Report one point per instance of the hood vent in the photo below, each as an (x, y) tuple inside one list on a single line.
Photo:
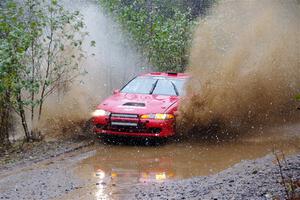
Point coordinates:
[(135, 104)]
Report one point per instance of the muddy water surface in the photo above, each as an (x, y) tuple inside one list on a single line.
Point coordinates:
[(114, 169)]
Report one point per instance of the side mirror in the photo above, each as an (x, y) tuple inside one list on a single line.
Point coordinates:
[(116, 91)]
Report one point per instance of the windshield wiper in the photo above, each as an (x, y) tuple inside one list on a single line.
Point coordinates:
[(154, 86), (175, 88)]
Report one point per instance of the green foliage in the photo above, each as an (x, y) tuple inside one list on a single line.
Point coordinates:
[(161, 29), (297, 97), (13, 44), (34, 38)]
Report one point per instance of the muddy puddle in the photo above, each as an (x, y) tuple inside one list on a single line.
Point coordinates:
[(113, 170)]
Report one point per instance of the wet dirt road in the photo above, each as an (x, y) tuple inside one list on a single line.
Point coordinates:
[(110, 171), (115, 169)]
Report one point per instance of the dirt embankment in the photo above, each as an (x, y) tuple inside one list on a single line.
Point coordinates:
[(25, 154), (252, 179)]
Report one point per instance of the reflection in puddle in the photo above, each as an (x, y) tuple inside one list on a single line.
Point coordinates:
[(114, 170), (114, 177), (100, 191), (152, 170)]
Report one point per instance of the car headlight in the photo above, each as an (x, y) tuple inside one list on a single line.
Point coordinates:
[(100, 112), (158, 116)]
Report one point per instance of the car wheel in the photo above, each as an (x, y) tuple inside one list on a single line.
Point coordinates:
[(159, 141)]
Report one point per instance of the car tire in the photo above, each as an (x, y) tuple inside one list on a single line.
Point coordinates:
[(107, 139)]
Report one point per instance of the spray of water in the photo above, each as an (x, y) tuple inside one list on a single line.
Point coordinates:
[(245, 66), (109, 65)]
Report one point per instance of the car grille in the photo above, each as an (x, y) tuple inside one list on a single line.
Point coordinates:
[(120, 115), (130, 123)]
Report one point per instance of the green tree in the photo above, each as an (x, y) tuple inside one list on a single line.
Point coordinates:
[(162, 30), (41, 47)]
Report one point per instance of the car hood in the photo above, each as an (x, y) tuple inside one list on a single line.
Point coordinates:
[(137, 103)]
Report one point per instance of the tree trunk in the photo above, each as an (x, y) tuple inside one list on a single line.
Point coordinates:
[(5, 119), (32, 82), (49, 60), (23, 117)]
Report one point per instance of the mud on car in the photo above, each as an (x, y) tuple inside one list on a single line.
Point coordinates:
[(144, 107)]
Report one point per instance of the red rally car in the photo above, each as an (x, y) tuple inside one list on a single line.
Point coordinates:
[(144, 107)]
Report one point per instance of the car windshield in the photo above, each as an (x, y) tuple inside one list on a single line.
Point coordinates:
[(155, 85)]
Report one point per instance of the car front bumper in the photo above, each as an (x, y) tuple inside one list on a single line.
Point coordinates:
[(134, 127)]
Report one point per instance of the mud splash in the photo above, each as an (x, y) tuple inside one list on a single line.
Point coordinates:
[(245, 66), (110, 64)]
